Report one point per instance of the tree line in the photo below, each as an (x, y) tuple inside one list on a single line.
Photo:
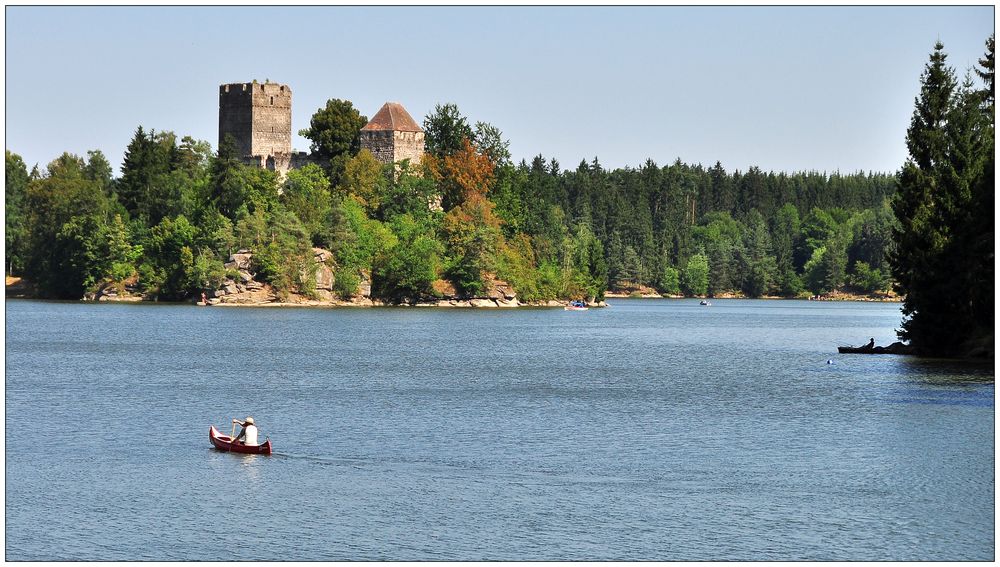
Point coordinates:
[(467, 215)]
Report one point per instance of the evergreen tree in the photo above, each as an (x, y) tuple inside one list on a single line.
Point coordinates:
[(16, 185), (937, 261), (445, 130)]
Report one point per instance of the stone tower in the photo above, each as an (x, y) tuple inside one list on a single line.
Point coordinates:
[(392, 135), (259, 117)]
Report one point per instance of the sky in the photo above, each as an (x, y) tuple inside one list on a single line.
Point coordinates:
[(783, 88)]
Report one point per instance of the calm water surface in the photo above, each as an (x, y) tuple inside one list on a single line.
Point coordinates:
[(651, 430)]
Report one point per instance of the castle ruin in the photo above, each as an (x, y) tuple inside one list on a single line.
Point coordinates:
[(393, 136), (259, 118)]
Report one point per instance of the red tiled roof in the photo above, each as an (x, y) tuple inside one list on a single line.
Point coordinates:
[(392, 116)]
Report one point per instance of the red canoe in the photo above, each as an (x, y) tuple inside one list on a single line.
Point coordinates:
[(225, 443)]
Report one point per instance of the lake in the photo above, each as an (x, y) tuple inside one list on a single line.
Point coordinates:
[(650, 430)]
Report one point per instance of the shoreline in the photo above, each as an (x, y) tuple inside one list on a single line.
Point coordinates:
[(442, 304), (837, 297)]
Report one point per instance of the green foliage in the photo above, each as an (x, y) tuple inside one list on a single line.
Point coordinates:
[(364, 180), (813, 273), (695, 275), (759, 267), (444, 130), (868, 279), (589, 269), (361, 240), (408, 269), (489, 140), (406, 193), (98, 169), (118, 255), (280, 245), (516, 265), (670, 281), (169, 255), (942, 260), (15, 218), (207, 272), (226, 194), (64, 213), (334, 132), (307, 195), (345, 283)]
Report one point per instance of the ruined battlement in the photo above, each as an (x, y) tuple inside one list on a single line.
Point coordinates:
[(259, 117)]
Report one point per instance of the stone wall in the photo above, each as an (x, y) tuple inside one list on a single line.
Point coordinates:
[(379, 143), (236, 115), (272, 119), (259, 117), (392, 147), (408, 145)]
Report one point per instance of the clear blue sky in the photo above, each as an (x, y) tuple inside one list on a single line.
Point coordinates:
[(783, 88)]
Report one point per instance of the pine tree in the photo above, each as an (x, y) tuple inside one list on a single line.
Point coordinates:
[(938, 260)]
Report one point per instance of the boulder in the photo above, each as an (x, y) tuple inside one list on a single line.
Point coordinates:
[(321, 256), (240, 260), (324, 278), (365, 285), (482, 303)]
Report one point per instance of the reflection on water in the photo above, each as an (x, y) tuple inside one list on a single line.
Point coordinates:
[(653, 430)]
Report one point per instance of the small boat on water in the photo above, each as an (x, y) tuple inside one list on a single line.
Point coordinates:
[(894, 348), (705, 302), (225, 443), (576, 306)]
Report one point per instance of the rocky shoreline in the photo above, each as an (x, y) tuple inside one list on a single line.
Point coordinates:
[(650, 293), (244, 290)]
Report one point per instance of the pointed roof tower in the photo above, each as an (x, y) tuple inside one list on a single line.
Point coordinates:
[(392, 116)]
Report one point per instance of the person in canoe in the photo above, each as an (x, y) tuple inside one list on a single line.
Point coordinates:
[(248, 435)]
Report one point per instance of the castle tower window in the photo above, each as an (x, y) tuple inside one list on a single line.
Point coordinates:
[(272, 101)]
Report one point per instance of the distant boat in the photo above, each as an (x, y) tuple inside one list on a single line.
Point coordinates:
[(576, 306), (894, 348), (225, 443), (705, 302)]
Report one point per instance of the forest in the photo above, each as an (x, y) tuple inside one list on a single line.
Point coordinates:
[(466, 215)]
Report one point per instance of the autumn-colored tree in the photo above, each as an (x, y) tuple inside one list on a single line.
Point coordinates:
[(470, 227), (461, 175)]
